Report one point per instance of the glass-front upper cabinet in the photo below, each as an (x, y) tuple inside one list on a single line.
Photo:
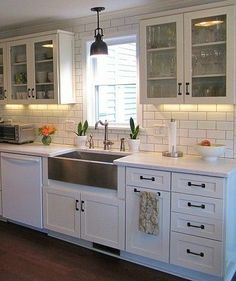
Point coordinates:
[(161, 59), (209, 68), (44, 69), (40, 69), (3, 76), (18, 71), (188, 58)]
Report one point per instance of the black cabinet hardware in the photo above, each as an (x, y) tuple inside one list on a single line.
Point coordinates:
[(196, 226), (195, 254), (76, 205), (186, 91), (179, 89), (148, 179), (136, 190), (82, 206), (200, 185), (202, 206)]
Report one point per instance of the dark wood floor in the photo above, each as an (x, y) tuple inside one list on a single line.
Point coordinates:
[(27, 255)]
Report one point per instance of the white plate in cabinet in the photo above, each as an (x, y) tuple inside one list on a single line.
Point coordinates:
[(197, 253), (148, 178), (198, 185), (198, 226), (140, 243), (197, 205)]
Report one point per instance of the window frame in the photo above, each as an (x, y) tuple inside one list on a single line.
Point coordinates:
[(88, 91)]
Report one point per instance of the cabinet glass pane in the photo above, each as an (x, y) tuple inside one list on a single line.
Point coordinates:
[(18, 72), (44, 72), (161, 36), (161, 88), (209, 87), (209, 56), (209, 30), (1, 75), (161, 60)]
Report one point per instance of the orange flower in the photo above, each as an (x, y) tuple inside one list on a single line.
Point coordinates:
[(47, 130)]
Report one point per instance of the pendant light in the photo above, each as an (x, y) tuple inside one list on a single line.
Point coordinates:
[(99, 47)]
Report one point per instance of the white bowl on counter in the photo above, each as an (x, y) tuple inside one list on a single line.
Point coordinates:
[(210, 153)]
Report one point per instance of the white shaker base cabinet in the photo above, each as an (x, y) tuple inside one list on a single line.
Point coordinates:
[(96, 216), (140, 243), (22, 188)]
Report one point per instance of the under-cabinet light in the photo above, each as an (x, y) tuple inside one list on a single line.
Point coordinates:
[(48, 46), (209, 23)]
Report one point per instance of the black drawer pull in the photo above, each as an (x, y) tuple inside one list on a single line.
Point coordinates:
[(186, 91), (196, 226), (195, 254), (82, 206), (76, 205), (202, 206), (136, 190), (179, 89), (200, 185), (148, 179)]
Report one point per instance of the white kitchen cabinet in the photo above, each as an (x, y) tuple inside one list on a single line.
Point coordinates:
[(3, 73), (197, 212), (22, 188), (186, 59), (93, 216), (40, 68), (62, 211), (138, 242)]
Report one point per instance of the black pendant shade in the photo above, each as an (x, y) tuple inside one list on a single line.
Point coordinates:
[(99, 47)]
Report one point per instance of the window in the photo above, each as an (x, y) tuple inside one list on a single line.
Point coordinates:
[(112, 82)]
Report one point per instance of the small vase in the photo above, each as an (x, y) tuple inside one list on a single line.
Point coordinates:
[(81, 141), (46, 140), (134, 145)]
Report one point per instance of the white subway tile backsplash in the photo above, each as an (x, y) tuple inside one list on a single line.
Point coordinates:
[(206, 125), (188, 124), (197, 116), (207, 107), (219, 116), (216, 134)]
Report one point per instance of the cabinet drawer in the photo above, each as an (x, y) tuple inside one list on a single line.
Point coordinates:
[(197, 205), (197, 253), (195, 225), (198, 185), (148, 178)]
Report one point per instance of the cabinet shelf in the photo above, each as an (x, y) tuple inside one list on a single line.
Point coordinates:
[(162, 78), (209, 44), (44, 61), (161, 49), (209, 75), (19, 85), (19, 63), (45, 83)]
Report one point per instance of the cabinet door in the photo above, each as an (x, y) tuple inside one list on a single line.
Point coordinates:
[(45, 68), (103, 219), (209, 51), (137, 242), (161, 65), (62, 211), (18, 65), (3, 74)]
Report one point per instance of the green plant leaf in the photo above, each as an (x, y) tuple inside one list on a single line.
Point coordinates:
[(131, 122)]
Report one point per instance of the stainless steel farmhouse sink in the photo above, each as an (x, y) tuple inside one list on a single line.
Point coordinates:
[(85, 167)]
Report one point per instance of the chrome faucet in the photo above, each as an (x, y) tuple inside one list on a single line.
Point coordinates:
[(107, 143)]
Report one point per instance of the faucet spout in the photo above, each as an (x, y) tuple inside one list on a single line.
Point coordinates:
[(106, 142)]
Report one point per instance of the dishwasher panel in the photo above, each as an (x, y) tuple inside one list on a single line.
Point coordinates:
[(22, 188)]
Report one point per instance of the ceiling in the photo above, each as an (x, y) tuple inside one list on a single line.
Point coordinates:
[(15, 13)]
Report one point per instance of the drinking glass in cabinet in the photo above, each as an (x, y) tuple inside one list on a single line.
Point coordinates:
[(161, 88), (210, 29), (161, 36)]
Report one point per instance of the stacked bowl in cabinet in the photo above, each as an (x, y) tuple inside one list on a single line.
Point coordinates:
[(197, 222)]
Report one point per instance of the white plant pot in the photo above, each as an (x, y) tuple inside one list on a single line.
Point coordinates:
[(81, 141), (134, 145)]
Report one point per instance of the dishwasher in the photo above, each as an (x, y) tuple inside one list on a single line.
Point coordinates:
[(22, 188)]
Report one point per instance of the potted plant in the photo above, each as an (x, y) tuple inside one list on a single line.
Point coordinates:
[(133, 142), (46, 131), (81, 138)]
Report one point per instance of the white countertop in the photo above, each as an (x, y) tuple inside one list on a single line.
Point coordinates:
[(222, 167), (36, 149)]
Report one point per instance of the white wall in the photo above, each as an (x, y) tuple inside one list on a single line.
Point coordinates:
[(195, 122)]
